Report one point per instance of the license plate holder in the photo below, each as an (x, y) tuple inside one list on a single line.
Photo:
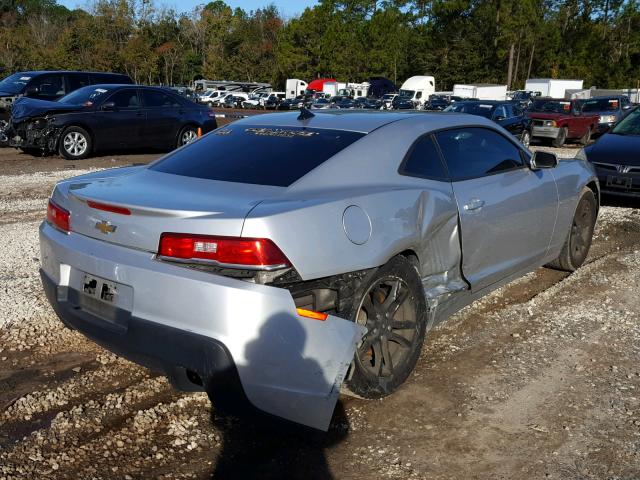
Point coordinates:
[(619, 182), (99, 289)]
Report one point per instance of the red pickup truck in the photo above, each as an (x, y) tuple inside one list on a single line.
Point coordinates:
[(561, 120)]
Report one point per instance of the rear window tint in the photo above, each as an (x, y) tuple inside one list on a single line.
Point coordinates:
[(262, 155)]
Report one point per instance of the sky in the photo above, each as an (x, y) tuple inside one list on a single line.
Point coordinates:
[(288, 8)]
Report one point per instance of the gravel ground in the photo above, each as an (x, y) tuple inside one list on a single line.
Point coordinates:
[(538, 380)]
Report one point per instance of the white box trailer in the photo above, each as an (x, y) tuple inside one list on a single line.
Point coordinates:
[(481, 91), (295, 87), (552, 87), (332, 88), (418, 88)]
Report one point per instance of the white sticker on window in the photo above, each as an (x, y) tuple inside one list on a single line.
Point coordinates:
[(101, 90), (25, 79)]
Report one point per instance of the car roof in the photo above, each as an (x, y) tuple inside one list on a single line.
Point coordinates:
[(363, 121)]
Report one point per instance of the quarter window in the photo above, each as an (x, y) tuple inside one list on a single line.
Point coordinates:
[(477, 152), (424, 160)]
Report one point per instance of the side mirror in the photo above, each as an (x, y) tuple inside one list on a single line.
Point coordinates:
[(542, 159), (108, 106), (499, 118), (31, 91)]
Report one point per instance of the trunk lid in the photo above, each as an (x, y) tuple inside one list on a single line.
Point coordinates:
[(160, 202)]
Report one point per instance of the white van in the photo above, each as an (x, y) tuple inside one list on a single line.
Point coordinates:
[(211, 96)]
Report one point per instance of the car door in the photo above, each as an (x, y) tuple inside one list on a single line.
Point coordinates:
[(508, 119), (507, 211), (120, 120), (164, 116)]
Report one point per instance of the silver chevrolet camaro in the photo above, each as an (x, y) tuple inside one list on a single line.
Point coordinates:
[(284, 258)]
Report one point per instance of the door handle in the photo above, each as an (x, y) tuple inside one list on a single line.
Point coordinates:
[(474, 204)]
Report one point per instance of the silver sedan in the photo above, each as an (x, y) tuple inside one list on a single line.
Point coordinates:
[(284, 258)]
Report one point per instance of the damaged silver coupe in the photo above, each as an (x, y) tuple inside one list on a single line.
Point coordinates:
[(284, 258)]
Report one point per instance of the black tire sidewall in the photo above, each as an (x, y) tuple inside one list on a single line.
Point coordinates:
[(588, 196), (86, 135), (359, 381)]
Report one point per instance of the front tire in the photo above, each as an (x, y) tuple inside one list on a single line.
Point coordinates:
[(75, 143), (390, 302), (576, 246), (561, 138)]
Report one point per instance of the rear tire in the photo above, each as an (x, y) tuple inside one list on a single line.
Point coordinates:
[(390, 302), (187, 135), (576, 247), (586, 138), (561, 138), (75, 143)]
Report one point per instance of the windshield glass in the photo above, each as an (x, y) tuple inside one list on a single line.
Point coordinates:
[(601, 105), (229, 154), (86, 96), (407, 93), (473, 108), (389, 96), (15, 83), (630, 125), (551, 106)]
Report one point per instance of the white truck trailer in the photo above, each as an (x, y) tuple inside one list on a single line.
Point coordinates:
[(481, 91), (552, 87)]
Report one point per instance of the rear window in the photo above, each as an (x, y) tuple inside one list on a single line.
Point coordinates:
[(261, 155)]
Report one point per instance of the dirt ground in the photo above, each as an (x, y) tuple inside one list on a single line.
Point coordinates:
[(541, 379)]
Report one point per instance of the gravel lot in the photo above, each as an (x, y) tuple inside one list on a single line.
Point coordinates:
[(539, 380)]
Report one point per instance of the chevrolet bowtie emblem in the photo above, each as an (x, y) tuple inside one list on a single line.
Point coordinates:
[(105, 227)]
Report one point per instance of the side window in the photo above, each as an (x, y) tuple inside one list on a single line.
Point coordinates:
[(77, 80), (49, 86), (477, 152), (125, 99), (419, 95), (154, 99), (423, 160), (500, 112)]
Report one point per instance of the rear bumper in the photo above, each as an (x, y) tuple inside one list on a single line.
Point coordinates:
[(153, 345), (245, 340), (545, 132)]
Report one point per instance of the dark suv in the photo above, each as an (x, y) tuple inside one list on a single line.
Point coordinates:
[(50, 85)]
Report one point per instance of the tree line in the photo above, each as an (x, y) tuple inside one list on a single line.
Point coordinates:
[(457, 41)]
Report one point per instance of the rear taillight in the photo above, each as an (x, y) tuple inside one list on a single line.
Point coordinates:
[(58, 216), (232, 252)]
